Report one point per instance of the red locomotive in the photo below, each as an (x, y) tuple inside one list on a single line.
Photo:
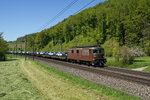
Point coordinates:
[(92, 55)]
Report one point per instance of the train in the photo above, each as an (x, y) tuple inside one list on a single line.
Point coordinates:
[(90, 55)]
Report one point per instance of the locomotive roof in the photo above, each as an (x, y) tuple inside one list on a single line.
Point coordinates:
[(91, 46)]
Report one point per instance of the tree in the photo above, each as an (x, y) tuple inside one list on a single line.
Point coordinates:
[(3, 48)]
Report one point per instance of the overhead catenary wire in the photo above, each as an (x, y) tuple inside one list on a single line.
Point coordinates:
[(84, 6), (64, 10), (59, 14)]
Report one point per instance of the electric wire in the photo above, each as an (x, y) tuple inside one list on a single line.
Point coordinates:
[(64, 10), (84, 7), (59, 14)]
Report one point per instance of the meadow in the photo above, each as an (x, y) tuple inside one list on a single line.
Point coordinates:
[(137, 63), (14, 85)]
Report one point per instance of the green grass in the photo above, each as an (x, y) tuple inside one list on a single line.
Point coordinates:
[(53, 87), (147, 69), (138, 62), (14, 85), (112, 94)]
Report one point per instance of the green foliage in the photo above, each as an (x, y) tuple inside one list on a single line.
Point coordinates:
[(123, 54), (137, 63), (3, 48), (79, 40), (125, 21), (117, 52), (111, 47), (126, 56), (147, 48)]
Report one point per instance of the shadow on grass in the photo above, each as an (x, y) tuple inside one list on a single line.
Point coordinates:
[(11, 60), (139, 61)]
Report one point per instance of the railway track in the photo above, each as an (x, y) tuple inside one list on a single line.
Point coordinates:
[(123, 74), (139, 73)]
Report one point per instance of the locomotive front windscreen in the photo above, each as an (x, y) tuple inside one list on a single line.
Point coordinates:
[(99, 51)]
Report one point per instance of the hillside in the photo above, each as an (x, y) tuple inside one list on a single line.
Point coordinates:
[(125, 21)]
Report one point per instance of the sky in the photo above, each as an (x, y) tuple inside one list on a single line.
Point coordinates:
[(21, 17)]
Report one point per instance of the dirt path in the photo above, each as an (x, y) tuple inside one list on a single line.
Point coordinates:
[(140, 69)]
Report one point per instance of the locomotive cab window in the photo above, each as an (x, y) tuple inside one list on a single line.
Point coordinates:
[(72, 51), (95, 51), (100, 51), (89, 51), (77, 51)]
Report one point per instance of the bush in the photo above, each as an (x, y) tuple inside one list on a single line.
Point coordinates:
[(125, 55), (3, 48), (136, 52), (117, 52), (128, 54)]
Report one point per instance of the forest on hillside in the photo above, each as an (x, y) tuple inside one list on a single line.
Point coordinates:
[(112, 24)]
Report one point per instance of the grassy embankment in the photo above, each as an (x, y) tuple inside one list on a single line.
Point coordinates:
[(43, 82), (55, 88), (138, 62)]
